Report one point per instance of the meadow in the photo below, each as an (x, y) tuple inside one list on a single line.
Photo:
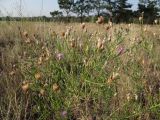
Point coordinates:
[(89, 71)]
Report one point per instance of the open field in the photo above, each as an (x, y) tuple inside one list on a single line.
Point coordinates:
[(57, 71)]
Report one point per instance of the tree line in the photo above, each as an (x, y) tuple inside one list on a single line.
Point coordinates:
[(116, 10)]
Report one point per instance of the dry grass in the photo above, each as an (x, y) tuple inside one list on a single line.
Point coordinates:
[(69, 71)]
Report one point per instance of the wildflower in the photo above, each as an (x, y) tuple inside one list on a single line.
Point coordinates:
[(59, 56), (25, 87), (83, 25), (120, 50), (100, 20), (38, 76), (64, 113), (55, 87)]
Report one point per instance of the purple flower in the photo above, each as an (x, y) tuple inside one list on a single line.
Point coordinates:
[(64, 113), (59, 56), (120, 50)]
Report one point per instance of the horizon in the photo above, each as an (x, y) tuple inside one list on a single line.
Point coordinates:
[(34, 8)]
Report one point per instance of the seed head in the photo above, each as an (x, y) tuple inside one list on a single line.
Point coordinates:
[(100, 20), (100, 44), (63, 34), (25, 34), (140, 19), (145, 29), (28, 40), (107, 28), (12, 73), (128, 97), (129, 25), (83, 25), (40, 59), (135, 96), (154, 34), (25, 87), (38, 76), (113, 77), (55, 87), (156, 21), (42, 91)]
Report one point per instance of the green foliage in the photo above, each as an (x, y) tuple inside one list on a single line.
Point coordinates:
[(66, 5), (122, 11), (56, 14), (99, 6), (83, 74), (150, 9), (81, 7)]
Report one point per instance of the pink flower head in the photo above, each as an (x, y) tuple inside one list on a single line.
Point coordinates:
[(64, 113), (120, 50), (59, 56)]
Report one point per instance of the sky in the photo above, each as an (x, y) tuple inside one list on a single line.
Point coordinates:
[(34, 7)]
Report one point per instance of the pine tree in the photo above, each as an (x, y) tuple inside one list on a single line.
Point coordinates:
[(150, 9), (121, 10), (81, 8), (66, 5), (99, 6)]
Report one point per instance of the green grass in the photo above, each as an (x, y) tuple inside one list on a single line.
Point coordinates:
[(79, 76)]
